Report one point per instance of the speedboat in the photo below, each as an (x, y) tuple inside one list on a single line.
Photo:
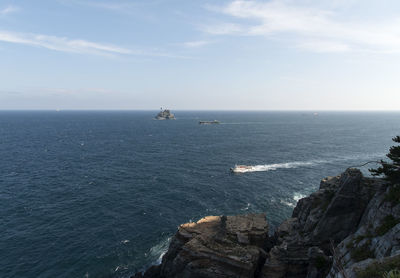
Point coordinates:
[(241, 169)]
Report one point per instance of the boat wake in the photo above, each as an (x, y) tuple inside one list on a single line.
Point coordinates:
[(272, 167), (296, 164)]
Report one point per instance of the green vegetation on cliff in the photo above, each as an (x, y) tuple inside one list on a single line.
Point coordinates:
[(393, 196), (362, 252), (378, 269), (391, 171), (388, 222)]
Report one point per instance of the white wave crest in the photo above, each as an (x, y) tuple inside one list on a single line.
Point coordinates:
[(289, 204), (159, 250), (247, 207), (293, 202), (298, 196)]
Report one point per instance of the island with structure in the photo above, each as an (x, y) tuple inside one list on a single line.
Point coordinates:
[(165, 115)]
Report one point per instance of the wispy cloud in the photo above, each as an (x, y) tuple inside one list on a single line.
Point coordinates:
[(79, 46), (9, 9), (309, 28), (123, 7), (63, 44), (112, 6), (226, 28), (3, 92), (324, 46), (73, 91), (195, 44)]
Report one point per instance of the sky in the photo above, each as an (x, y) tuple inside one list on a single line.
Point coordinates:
[(200, 55)]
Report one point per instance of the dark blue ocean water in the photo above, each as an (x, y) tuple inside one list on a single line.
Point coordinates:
[(98, 194)]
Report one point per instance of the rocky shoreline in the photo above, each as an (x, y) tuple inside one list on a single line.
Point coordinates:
[(350, 228)]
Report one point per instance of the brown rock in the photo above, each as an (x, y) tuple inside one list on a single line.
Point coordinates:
[(217, 246)]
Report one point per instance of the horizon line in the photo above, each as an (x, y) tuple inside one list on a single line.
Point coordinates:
[(199, 110)]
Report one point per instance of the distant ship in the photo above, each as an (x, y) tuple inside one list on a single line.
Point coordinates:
[(241, 169), (208, 122), (165, 115)]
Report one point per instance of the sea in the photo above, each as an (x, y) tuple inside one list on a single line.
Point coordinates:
[(101, 193)]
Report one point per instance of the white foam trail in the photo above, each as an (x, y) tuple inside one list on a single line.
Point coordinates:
[(272, 167), (296, 164)]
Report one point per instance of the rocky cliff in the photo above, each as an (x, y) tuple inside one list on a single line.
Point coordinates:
[(350, 227)]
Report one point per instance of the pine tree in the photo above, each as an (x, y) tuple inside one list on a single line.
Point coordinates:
[(391, 171)]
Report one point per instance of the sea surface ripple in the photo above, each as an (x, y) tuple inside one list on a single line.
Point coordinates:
[(99, 194)]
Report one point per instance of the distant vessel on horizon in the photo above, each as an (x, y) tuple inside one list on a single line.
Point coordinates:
[(165, 115), (208, 122)]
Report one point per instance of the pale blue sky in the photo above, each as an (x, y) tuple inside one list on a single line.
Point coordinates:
[(231, 55)]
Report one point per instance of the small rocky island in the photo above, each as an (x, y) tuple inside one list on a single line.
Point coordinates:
[(165, 115), (349, 228)]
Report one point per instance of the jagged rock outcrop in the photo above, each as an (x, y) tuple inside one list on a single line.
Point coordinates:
[(376, 240), (302, 243), (216, 246), (347, 226)]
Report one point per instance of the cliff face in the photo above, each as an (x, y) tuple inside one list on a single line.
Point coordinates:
[(216, 246), (344, 229)]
